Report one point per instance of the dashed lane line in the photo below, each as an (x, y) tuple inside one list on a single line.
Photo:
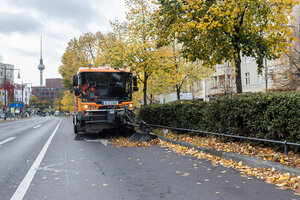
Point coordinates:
[(7, 140), (37, 126), (2, 131), (24, 185)]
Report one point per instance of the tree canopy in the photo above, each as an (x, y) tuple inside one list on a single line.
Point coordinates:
[(224, 30)]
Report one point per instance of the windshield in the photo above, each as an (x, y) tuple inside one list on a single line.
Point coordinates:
[(99, 86)]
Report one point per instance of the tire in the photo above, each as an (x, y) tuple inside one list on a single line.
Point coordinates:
[(75, 124), (75, 129)]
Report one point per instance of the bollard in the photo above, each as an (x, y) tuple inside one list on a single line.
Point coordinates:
[(285, 148)]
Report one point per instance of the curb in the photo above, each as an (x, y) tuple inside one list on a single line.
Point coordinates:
[(247, 160)]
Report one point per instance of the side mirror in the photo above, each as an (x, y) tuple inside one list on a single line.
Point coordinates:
[(75, 80), (76, 91), (134, 81), (135, 89)]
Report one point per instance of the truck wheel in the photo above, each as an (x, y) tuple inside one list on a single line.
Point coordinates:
[(75, 124), (75, 129)]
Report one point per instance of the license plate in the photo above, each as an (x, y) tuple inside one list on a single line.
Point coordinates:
[(110, 103)]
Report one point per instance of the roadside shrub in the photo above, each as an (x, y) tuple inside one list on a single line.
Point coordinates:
[(272, 115)]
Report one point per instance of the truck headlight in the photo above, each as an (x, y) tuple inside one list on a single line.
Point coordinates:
[(131, 105), (85, 106)]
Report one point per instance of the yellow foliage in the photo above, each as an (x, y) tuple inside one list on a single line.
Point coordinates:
[(68, 101)]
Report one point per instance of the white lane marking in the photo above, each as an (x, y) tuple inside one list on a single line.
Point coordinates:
[(37, 126), (2, 131), (24, 185), (7, 140)]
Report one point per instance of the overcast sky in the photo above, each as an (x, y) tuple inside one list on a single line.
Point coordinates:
[(22, 22)]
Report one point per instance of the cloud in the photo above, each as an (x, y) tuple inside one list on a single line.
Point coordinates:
[(19, 22), (77, 12), (1, 58)]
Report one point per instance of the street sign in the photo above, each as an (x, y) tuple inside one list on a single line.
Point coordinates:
[(16, 105)]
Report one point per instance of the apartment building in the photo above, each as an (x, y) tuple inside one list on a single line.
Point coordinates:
[(51, 91), (223, 80), (22, 93), (9, 82)]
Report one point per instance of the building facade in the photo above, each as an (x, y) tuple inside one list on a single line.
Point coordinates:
[(9, 82), (52, 91), (22, 93), (223, 80)]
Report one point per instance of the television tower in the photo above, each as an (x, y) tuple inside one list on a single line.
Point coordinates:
[(41, 66)]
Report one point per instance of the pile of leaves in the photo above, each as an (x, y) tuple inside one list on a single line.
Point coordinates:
[(244, 148), (125, 142), (282, 180)]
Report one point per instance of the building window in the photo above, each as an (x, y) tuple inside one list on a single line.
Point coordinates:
[(247, 59), (259, 78), (214, 82), (228, 81), (42, 89), (247, 75)]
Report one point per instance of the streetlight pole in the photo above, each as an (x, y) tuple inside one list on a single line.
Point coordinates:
[(5, 89), (5, 92)]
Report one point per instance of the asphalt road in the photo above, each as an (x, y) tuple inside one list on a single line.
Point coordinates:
[(40, 159)]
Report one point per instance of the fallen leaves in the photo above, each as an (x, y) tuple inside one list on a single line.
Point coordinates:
[(266, 154), (186, 174), (124, 142), (282, 180)]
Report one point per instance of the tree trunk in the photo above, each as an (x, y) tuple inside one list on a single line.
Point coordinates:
[(151, 99), (178, 92), (145, 88), (238, 79)]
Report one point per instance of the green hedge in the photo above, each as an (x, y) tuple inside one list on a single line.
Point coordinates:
[(273, 115)]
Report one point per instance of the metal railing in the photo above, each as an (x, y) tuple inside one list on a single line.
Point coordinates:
[(284, 143)]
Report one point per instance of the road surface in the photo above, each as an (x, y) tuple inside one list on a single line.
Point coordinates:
[(40, 159)]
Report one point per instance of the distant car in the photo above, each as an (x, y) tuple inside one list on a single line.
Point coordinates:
[(2, 115), (56, 113)]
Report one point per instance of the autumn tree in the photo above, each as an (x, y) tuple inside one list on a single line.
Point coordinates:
[(224, 30), (33, 101), (58, 105), (112, 46), (142, 55), (287, 71), (68, 101), (79, 53)]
